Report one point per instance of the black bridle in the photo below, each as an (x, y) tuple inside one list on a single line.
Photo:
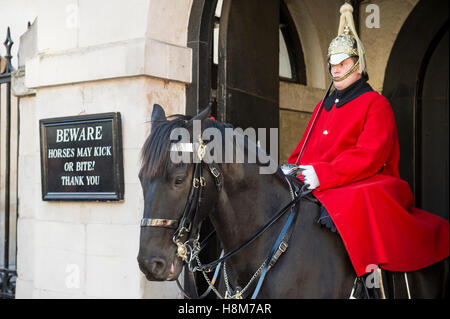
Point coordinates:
[(189, 249), (187, 223)]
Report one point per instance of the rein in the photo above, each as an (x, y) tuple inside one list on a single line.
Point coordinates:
[(189, 249), (210, 266)]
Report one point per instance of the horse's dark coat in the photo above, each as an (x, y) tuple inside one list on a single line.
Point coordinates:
[(315, 265)]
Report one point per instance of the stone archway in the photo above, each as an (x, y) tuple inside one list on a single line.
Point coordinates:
[(416, 83)]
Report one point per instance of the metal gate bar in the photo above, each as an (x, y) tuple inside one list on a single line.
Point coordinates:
[(7, 275)]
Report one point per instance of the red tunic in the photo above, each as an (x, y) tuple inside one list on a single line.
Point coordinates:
[(355, 153)]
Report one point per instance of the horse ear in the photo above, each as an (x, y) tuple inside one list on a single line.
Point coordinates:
[(158, 113), (206, 113)]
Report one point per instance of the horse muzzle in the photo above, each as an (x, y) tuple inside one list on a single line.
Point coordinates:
[(158, 269)]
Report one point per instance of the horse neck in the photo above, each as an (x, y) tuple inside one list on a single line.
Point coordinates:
[(244, 207)]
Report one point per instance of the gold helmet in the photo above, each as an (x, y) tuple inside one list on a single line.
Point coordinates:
[(342, 47), (347, 44)]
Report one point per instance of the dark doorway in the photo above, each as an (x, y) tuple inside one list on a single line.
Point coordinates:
[(248, 91), (432, 184), (242, 82), (417, 85)]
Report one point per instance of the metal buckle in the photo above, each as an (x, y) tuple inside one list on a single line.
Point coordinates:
[(186, 229), (181, 250), (207, 269), (201, 151), (196, 183), (238, 295), (215, 172), (283, 246), (202, 182)]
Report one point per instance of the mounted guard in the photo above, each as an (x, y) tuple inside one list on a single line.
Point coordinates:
[(349, 155), (266, 223)]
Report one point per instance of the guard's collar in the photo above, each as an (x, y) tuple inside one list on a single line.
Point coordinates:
[(340, 97)]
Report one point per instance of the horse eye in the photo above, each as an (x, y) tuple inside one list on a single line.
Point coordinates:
[(179, 180)]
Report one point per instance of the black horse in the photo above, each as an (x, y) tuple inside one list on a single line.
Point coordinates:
[(239, 202)]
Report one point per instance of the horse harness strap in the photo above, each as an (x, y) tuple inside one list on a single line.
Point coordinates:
[(212, 265), (281, 244), (289, 226), (216, 174)]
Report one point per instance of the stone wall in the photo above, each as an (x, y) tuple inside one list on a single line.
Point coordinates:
[(297, 103), (92, 57), (379, 41)]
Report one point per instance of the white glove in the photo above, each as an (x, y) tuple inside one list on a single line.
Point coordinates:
[(310, 176)]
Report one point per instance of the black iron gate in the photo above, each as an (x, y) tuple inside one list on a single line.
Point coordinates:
[(8, 216)]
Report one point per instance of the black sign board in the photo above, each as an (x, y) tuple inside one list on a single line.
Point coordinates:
[(81, 158)]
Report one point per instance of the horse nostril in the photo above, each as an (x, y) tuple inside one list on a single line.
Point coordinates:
[(157, 266)]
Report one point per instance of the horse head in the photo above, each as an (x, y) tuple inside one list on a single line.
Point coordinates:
[(167, 190)]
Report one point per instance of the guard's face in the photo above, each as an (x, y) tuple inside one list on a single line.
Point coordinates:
[(338, 70)]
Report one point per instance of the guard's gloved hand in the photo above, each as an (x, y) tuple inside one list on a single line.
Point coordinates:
[(310, 175), (290, 169)]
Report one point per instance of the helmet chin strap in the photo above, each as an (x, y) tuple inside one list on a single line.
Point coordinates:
[(346, 75)]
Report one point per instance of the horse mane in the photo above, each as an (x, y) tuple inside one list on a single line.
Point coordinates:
[(155, 156)]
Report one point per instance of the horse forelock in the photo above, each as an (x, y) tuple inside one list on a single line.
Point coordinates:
[(155, 152)]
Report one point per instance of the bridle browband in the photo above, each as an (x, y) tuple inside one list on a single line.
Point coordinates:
[(189, 249), (159, 222)]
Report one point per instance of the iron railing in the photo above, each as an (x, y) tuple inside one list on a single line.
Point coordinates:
[(8, 273)]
